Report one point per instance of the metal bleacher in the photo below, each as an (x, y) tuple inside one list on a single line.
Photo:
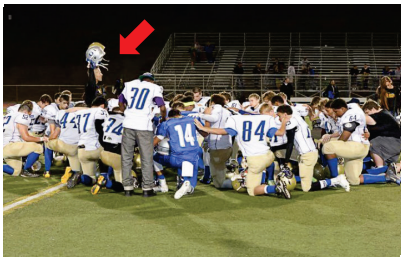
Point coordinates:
[(331, 55)]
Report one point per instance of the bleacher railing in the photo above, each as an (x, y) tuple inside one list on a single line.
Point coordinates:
[(164, 55), (304, 85)]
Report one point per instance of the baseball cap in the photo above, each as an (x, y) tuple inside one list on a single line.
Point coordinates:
[(147, 75), (354, 100)]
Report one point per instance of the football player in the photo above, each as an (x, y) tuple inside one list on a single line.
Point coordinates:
[(17, 142), (64, 139), (141, 96), (229, 102), (300, 109), (199, 99), (220, 146), (49, 114), (250, 132), (351, 145), (110, 156), (89, 122), (184, 147), (300, 134)]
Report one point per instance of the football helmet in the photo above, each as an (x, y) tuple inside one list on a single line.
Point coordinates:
[(94, 55), (232, 169), (137, 159), (319, 172), (163, 147), (239, 182), (286, 176), (59, 159), (37, 166)]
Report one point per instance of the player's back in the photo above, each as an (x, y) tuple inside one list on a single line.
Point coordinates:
[(182, 137), (36, 124), (85, 120), (139, 110), (251, 132), (68, 127), (10, 130), (113, 128), (303, 138)]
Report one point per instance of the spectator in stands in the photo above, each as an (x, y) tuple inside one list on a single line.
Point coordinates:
[(365, 76), (332, 91), (239, 70), (194, 50), (209, 48), (353, 74), (389, 96), (287, 88), (291, 72), (386, 71), (304, 76), (304, 61), (257, 70)]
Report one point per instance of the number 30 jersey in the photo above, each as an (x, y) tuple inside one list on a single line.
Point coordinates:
[(182, 137), (68, 127), (85, 120), (140, 102)]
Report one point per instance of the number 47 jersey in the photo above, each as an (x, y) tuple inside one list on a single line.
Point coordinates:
[(182, 137), (68, 127)]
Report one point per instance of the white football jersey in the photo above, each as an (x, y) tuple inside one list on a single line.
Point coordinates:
[(354, 115), (278, 140), (112, 103), (251, 132), (49, 112), (36, 124), (66, 121), (85, 120), (300, 110), (140, 102), (201, 105), (303, 141), (234, 104), (113, 128), (328, 124), (10, 131), (218, 118), (13, 109)]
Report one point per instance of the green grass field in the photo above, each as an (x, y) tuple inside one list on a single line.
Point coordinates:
[(363, 222)]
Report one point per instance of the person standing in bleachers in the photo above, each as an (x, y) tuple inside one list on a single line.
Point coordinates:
[(291, 72), (354, 73), (365, 72), (287, 88)]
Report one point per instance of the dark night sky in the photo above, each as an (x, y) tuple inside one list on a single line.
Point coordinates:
[(46, 44)]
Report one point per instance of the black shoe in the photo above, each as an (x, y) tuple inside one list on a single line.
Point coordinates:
[(27, 174), (149, 193), (74, 180), (129, 193)]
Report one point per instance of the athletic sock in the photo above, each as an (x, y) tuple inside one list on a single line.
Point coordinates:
[(7, 169), (270, 189), (332, 163), (207, 173), (110, 171), (264, 175), (86, 180), (161, 176), (48, 158), (239, 159), (31, 159), (370, 179), (297, 178), (323, 159), (270, 172)]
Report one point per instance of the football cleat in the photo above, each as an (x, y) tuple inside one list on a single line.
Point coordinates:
[(129, 193), (74, 180), (184, 190), (391, 174), (281, 189), (149, 193), (179, 182), (27, 174), (46, 174), (101, 181), (66, 176), (342, 182)]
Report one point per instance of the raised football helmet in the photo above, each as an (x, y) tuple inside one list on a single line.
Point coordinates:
[(163, 147), (94, 55)]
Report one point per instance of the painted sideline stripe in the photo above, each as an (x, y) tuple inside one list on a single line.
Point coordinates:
[(28, 199)]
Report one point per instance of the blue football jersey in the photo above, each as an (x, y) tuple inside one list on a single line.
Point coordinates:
[(182, 137)]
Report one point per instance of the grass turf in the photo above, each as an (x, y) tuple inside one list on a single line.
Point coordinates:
[(363, 222)]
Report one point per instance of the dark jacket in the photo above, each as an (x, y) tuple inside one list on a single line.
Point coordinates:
[(287, 89), (238, 70), (332, 92)]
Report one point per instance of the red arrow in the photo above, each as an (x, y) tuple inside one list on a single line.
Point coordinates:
[(129, 44)]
